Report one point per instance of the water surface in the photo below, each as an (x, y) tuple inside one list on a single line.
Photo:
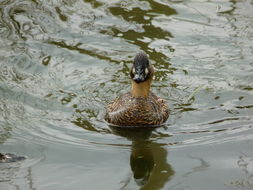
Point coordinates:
[(61, 62)]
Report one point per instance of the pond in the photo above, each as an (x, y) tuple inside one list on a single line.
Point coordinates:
[(62, 61)]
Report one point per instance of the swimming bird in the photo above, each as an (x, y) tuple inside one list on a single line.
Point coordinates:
[(9, 157), (140, 106)]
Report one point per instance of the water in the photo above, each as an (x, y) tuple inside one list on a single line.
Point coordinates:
[(61, 62)]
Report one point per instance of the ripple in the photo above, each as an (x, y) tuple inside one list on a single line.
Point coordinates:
[(62, 62)]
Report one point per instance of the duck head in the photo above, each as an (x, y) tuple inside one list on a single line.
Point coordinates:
[(141, 69)]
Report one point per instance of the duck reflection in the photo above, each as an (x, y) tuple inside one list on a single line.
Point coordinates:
[(148, 159)]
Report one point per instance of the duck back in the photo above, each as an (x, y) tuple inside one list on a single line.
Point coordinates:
[(127, 110)]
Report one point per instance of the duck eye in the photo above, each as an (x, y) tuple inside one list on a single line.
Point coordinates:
[(146, 71)]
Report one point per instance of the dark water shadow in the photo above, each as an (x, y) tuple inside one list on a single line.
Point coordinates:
[(148, 159), (137, 16)]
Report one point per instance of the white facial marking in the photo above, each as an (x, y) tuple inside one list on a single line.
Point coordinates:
[(146, 71)]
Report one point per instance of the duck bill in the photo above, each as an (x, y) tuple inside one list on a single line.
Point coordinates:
[(138, 78)]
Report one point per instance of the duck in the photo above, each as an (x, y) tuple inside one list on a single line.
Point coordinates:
[(140, 106), (9, 157)]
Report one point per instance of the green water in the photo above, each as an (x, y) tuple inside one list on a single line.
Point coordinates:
[(62, 61)]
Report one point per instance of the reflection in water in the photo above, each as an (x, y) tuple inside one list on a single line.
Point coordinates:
[(148, 159), (142, 163), (142, 29)]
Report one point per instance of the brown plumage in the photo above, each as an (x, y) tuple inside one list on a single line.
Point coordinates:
[(140, 107)]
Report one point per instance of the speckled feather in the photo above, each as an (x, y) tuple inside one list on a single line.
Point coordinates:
[(127, 110)]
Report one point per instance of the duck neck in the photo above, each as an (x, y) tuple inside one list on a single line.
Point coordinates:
[(141, 89)]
